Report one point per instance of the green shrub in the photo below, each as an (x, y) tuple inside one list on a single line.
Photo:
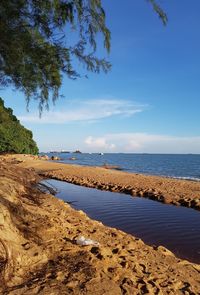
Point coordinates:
[(14, 138)]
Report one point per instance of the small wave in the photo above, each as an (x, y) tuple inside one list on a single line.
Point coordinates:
[(186, 178)]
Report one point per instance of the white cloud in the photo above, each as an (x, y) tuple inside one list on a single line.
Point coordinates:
[(99, 143), (144, 143), (89, 110)]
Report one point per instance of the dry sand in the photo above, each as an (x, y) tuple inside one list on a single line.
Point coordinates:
[(38, 253)]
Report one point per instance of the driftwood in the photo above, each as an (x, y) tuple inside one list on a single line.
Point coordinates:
[(47, 188), (115, 167)]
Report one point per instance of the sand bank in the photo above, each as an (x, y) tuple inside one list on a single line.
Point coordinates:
[(38, 253), (166, 190)]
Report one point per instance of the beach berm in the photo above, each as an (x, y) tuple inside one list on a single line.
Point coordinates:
[(167, 190)]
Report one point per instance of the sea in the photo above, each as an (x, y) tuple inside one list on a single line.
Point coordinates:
[(183, 166)]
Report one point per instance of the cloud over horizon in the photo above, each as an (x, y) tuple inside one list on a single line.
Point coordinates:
[(143, 143), (86, 111), (99, 143)]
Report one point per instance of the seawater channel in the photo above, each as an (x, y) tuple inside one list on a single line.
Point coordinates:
[(176, 228)]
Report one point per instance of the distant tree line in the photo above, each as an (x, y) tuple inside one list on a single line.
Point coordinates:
[(14, 138)]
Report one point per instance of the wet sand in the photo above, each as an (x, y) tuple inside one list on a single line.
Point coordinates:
[(38, 253)]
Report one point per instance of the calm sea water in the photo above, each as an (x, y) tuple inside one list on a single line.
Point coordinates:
[(176, 228), (179, 166)]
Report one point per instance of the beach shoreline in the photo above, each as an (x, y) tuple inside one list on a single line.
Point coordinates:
[(166, 190), (39, 254)]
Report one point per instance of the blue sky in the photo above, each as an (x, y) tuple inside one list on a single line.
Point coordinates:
[(148, 102)]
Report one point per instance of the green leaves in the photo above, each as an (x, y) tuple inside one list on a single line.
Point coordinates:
[(36, 49), (13, 136), (162, 15), (42, 40)]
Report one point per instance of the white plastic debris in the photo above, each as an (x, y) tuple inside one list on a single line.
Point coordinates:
[(82, 241)]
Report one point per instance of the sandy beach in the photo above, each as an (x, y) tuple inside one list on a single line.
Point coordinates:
[(170, 191), (99, 147), (38, 249)]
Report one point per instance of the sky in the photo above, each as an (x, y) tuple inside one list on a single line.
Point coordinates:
[(148, 103)]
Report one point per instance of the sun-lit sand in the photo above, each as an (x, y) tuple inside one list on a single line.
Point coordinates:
[(38, 252)]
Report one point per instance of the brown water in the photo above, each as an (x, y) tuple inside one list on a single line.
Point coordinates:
[(176, 228)]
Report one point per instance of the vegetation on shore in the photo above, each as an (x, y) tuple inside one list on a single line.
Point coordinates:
[(14, 138)]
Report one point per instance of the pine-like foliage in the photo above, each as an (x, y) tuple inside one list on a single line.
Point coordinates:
[(14, 137), (37, 48)]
